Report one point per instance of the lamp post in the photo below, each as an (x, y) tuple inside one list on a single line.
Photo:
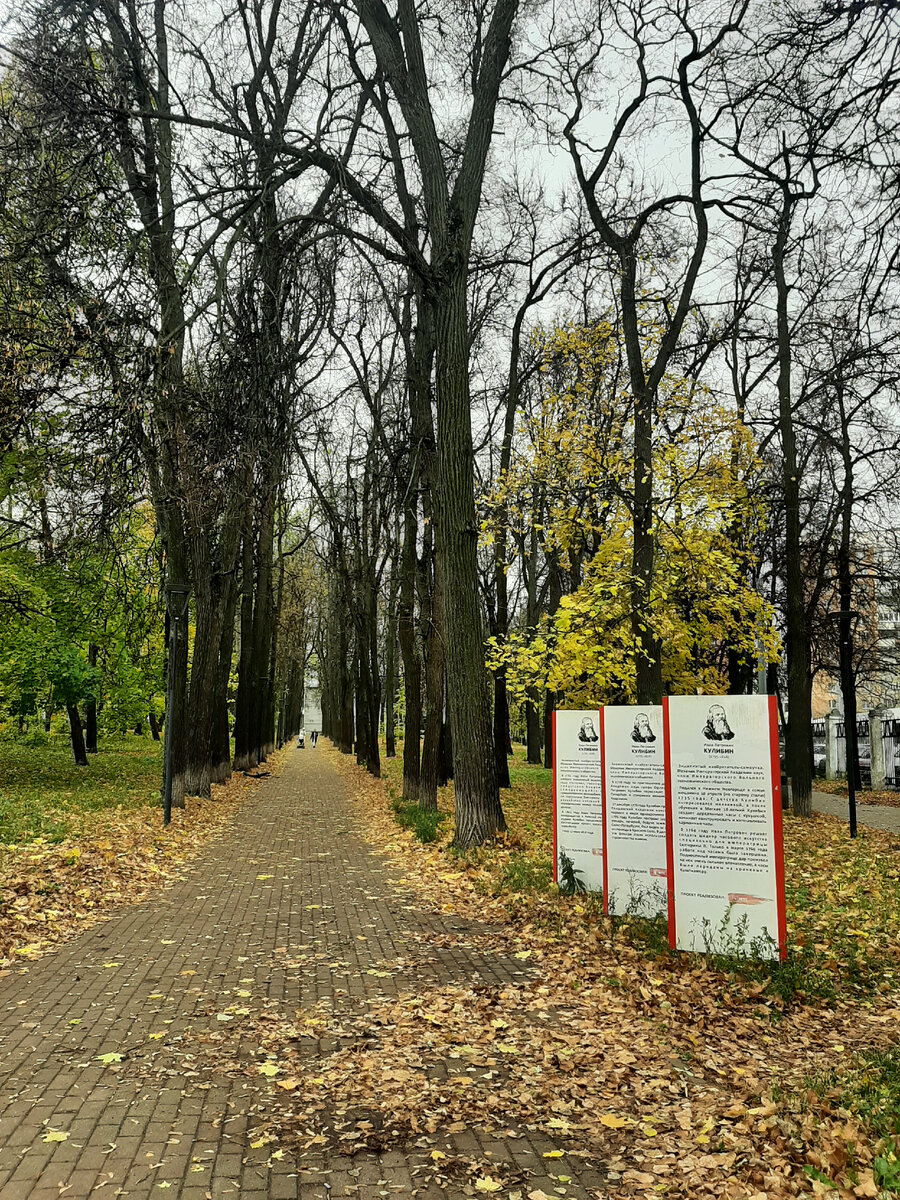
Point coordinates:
[(176, 604), (845, 639)]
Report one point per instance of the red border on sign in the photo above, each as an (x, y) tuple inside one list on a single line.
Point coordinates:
[(776, 827), (670, 835), (602, 723), (553, 760)]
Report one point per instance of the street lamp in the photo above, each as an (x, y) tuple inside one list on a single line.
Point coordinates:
[(176, 604)]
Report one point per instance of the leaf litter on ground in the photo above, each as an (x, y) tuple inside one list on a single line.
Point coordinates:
[(680, 1075)]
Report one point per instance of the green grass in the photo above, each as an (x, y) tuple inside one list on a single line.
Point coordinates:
[(521, 772), (44, 795), (867, 1084), (425, 823), (526, 873)]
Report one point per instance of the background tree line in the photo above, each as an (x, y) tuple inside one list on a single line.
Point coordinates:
[(490, 360)]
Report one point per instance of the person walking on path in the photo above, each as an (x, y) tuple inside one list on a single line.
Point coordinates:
[(301, 739)]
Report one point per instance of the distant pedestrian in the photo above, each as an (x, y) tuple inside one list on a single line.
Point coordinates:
[(313, 738), (301, 739)]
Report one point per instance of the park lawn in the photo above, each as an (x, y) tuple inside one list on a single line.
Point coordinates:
[(75, 842), (44, 795)]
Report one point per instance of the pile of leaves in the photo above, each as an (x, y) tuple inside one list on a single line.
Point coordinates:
[(51, 890)]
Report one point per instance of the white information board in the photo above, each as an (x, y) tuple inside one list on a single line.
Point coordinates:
[(723, 825), (634, 809), (578, 795)]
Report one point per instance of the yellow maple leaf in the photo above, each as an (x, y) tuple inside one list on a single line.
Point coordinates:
[(613, 1122)]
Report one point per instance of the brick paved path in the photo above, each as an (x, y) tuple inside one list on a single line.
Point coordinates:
[(290, 869)]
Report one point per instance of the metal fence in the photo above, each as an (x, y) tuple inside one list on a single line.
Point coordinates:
[(890, 732), (864, 747), (819, 749)]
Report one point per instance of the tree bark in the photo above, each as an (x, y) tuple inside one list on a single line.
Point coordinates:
[(243, 750), (409, 650), (76, 736), (90, 710), (434, 698), (390, 666), (798, 655), (477, 809)]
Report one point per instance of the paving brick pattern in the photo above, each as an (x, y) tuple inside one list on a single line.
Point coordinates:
[(290, 869)]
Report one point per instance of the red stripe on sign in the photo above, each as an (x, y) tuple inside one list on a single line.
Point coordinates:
[(776, 827), (553, 760), (602, 724), (670, 836)]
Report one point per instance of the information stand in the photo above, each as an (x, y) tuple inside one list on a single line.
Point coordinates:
[(634, 810), (578, 795), (723, 825)]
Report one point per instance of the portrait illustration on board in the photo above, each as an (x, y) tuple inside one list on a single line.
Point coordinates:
[(642, 731), (717, 728), (587, 732)]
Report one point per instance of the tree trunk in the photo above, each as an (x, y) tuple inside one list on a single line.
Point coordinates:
[(243, 752), (409, 650), (798, 654), (262, 706), (533, 726), (434, 698), (154, 726), (76, 736), (550, 701), (502, 742), (390, 664), (478, 813), (532, 701), (176, 703), (220, 743), (648, 652), (202, 690), (90, 710)]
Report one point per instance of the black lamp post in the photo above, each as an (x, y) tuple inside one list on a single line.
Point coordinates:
[(845, 639), (176, 603)]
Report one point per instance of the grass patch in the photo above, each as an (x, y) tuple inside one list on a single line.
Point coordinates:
[(44, 795), (425, 823), (867, 1087), (523, 872)]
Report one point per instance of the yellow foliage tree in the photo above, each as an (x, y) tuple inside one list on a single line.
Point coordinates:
[(571, 482)]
